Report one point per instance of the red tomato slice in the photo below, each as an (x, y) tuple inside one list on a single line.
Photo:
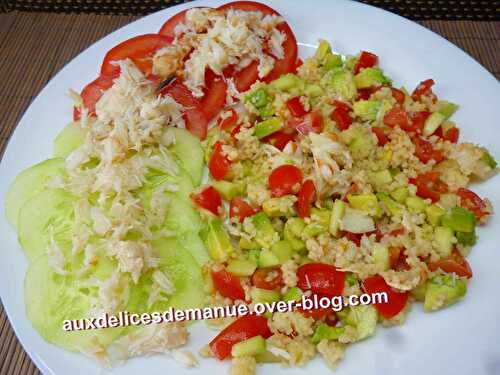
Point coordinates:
[(366, 60), (240, 209), (244, 78), (241, 329), (219, 164), (455, 263), (321, 279), (209, 199), (424, 150), (288, 63), (380, 134), (92, 93), (429, 186), (305, 198), (397, 116), (196, 122), (139, 49), (215, 95), (261, 278), (396, 300), (279, 139), (228, 122), (168, 28), (228, 285), (295, 106), (423, 88), (285, 179), (472, 202)]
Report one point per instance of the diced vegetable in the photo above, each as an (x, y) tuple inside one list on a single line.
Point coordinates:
[(228, 285), (370, 77), (433, 122), (325, 332), (264, 295), (356, 221), (267, 127), (241, 267), (460, 220), (216, 240), (367, 109), (444, 240), (322, 279), (442, 291), (336, 217), (434, 214), (249, 347)]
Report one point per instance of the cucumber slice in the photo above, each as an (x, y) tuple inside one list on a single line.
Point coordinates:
[(187, 149), (51, 211), (50, 299), (193, 243), (29, 183), (69, 139)]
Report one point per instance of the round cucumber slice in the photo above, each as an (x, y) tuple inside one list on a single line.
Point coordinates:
[(48, 213), (187, 148), (29, 183), (50, 299), (69, 139)]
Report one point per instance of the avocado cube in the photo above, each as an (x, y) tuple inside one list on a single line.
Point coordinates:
[(442, 291), (250, 347), (460, 220), (216, 240), (268, 127), (228, 190), (365, 202), (326, 332), (367, 109), (241, 267), (443, 236), (343, 84), (369, 77), (434, 214), (400, 194)]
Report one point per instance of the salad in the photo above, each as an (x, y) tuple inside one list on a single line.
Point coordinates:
[(208, 165)]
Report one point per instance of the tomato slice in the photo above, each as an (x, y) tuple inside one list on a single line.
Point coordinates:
[(295, 106), (380, 134), (366, 60), (285, 179), (397, 116), (92, 93), (423, 88), (341, 115), (168, 28), (396, 301), (139, 49), (305, 198), (215, 95), (241, 329), (219, 164), (288, 63), (209, 199), (429, 186), (228, 285), (240, 209), (228, 122), (321, 279), (244, 78), (424, 150), (311, 122), (279, 139), (269, 278), (472, 202), (455, 263)]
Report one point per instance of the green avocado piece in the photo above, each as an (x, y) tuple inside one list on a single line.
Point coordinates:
[(369, 77), (442, 291), (367, 109), (342, 82), (326, 332), (216, 240), (460, 220)]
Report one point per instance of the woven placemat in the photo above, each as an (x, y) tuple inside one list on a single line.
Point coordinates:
[(22, 76), (474, 10)]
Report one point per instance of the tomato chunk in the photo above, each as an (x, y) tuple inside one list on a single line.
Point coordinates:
[(306, 197), (92, 93), (366, 60), (311, 122), (396, 300), (228, 122), (429, 186), (209, 199), (269, 278), (380, 134), (341, 116), (424, 150), (455, 263), (472, 202), (279, 139), (321, 279), (228, 285), (397, 116), (295, 106), (240, 209), (218, 165), (398, 95), (285, 179), (139, 49), (241, 329), (424, 88)]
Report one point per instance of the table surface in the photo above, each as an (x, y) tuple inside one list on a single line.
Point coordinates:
[(22, 77)]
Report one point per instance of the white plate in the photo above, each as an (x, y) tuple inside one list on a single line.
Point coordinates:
[(462, 339)]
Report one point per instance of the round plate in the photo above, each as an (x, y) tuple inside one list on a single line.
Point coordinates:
[(462, 339)]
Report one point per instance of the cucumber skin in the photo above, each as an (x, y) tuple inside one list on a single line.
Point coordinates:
[(29, 183)]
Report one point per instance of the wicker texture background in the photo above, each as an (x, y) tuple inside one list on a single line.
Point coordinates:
[(22, 76)]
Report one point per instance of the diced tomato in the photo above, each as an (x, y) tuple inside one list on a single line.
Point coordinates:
[(279, 139), (381, 137), (397, 259), (241, 329), (455, 263), (366, 60), (472, 202), (296, 107), (418, 121), (341, 116), (452, 135), (354, 237), (311, 122), (396, 301), (269, 278), (424, 150), (316, 314), (228, 122), (305, 198), (218, 165), (429, 186), (240, 209), (228, 285), (92, 93), (285, 179), (364, 94), (398, 95), (209, 199), (423, 89), (397, 116), (139, 49), (321, 279), (215, 95)]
